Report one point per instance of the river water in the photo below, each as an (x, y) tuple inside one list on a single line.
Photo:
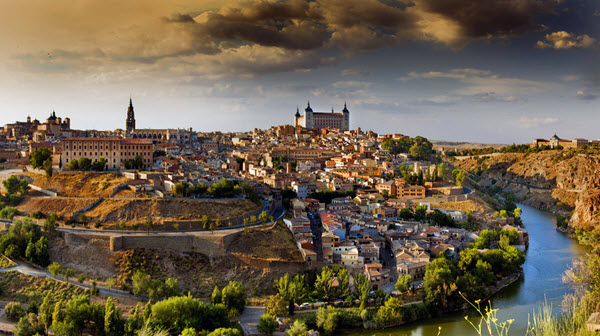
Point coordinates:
[(550, 254)]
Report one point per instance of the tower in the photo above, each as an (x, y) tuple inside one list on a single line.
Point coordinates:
[(130, 122), (346, 121), (308, 117), (297, 117)]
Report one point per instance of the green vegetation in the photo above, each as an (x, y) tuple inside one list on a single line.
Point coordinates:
[(14, 311), (223, 189), (419, 147), (267, 324), (24, 239), (144, 285), (135, 163)]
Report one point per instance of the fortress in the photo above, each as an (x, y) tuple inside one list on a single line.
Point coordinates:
[(319, 120)]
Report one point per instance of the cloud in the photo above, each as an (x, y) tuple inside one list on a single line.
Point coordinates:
[(565, 40), (483, 85), (527, 122), (582, 95), (354, 72), (351, 84)]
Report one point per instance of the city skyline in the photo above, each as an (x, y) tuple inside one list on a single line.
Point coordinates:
[(487, 72)]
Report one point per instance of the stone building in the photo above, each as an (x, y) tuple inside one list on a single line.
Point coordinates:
[(114, 149), (322, 120), (177, 136)]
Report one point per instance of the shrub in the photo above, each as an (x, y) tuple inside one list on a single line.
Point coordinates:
[(266, 324), (14, 311)]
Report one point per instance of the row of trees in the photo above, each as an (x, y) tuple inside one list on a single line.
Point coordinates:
[(42, 158), (222, 189), (86, 164), (178, 315)]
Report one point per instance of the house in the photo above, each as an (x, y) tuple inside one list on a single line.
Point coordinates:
[(377, 275)]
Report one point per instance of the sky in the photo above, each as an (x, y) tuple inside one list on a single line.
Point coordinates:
[(497, 71)]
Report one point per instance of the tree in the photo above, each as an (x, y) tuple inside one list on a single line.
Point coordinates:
[(54, 268), (181, 189), (277, 305), (327, 319), (205, 220), (420, 213), (459, 176), (263, 216), (112, 319), (421, 149), (362, 286), (438, 283), (404, 283), (225, 332), (14, 185), (297, 329), (50, 223), (68, 273), (390, 313), (48, 167), (293, 291), (14, 311), (266, 324), (73, 165), (39, 156), (215, 298), (84, 163), (46, 310), (29, 325), (99, 164), (234, 296)]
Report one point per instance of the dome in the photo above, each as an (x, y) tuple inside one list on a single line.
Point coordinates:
[(308, 109)]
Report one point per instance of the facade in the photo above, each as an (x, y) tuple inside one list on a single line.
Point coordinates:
[(114, 149), (323, 120), (54, 128), (555, 141)]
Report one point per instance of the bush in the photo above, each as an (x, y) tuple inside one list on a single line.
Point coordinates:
[(14, 311), (234, 296), (266, 324), (37, 215), (9, 213)]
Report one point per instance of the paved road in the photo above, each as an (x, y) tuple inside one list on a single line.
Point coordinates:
[(249, 319), (317, 230)]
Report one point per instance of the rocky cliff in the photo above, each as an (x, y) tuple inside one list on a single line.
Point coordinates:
[(551, 180)]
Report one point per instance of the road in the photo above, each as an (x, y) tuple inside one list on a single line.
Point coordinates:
[(317, 230)]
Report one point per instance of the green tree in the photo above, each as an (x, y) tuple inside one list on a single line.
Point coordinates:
[(266, 324), (84, 163), (54, 268), (297, 329), (438, 283), (404, 283), (29, 325), (112, 319), (39, 156), (234, 296), (225, 332), (14, 185), (205, 220), (181, 189), (68, 273), (215, 298), (362, 286), (14, 311), (390, 313), (328, 319), (99, 165), (277, 305), (48, 167), (46, 310), (421, 149)]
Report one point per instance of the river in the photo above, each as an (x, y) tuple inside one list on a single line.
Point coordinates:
[(550, 254)]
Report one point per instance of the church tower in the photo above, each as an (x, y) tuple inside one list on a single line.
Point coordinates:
[(346, 120), (130, 122)]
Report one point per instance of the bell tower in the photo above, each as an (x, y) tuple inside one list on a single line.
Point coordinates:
[(130, 122)]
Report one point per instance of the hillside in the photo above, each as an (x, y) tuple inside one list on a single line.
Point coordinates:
[(139, 210), (79, 184), (549, 180)]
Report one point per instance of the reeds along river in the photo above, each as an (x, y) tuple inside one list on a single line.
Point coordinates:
[(550, 254)]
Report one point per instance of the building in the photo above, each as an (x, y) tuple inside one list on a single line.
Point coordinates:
[(555, 142), (54, 128), (322, 120), (114, 149)]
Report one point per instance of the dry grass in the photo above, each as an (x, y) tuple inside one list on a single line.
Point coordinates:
[(139, 210), (62, 207), (275, 243), (476, 206), (79, 184)]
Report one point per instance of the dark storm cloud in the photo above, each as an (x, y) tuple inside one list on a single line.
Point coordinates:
[(356, 25), (491, 18)]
